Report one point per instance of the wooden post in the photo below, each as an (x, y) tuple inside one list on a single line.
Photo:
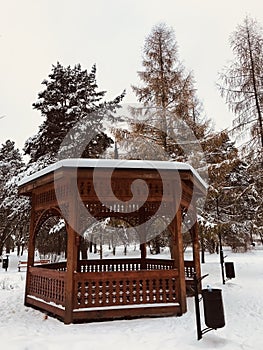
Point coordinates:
[(177, 254), (72, 258), (31, 244), (143, 255), (196, 246), (143, 250), (196, 250)]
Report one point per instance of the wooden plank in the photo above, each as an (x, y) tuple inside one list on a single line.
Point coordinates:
[(45, 307), (126, 313), (50, 273), (96, 276)]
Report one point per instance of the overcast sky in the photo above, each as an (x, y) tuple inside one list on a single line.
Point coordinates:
[(34, 34)]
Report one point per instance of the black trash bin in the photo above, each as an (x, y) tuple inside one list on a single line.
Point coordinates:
[(230, 270), (213, 308), (5, 263)]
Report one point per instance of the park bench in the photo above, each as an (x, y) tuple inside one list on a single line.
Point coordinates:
[(23, 263)]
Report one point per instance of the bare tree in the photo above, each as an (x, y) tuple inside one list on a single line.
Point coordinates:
[(241, 83)]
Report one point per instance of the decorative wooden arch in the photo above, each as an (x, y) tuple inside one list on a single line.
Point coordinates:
[(45, 214), (84, 290)]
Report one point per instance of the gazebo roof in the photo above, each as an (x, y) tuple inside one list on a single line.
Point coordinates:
[(116, 164)]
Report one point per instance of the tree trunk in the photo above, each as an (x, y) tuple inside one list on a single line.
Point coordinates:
[(255, 91), (1, 248), (101, 251), (202, 250), (83, 248)]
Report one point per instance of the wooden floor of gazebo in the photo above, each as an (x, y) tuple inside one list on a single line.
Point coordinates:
[(109, 288)]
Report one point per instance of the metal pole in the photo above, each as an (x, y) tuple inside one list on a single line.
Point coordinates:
[(221, 253), (221, 258), (197, 309)]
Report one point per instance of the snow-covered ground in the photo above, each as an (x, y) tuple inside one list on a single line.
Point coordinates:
[(23, 328)]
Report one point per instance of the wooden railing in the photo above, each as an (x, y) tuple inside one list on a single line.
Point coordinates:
[(58, 266), (159, 264), (47, 284), (107, 265), (133, 264), (189, 269), (125, 283), (97, 289)]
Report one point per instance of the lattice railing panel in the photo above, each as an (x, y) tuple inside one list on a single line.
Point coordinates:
[(118, 288), (48, 285), (106, 265), (159, 264), (189, 269)]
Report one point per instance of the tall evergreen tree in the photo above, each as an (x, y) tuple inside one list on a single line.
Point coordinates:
[(70, 96), (10, 161), (254, 196), (166, 84), (13, 214), (168, 101), (225, 211), (168, 91), (169, 120)]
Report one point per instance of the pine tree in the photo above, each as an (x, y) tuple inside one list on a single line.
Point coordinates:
[(13, 212), (11, 161), (254, 196), (225, 210), (70, 97)]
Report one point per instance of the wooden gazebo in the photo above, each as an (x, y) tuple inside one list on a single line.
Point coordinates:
[(78, 290)]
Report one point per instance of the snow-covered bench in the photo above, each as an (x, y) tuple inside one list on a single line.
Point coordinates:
[(23, 263)]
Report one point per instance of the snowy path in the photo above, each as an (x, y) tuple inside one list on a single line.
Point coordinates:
[(23, 328)]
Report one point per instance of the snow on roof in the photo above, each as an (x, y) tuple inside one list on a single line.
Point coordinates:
[(113, 163)]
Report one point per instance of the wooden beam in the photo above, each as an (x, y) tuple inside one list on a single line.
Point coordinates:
[(196, 247), (177, 254), (126, 313), (72, 258), (31, 245)]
